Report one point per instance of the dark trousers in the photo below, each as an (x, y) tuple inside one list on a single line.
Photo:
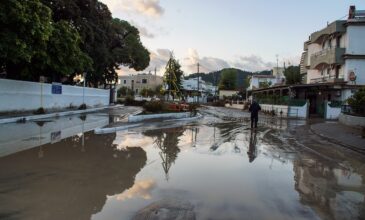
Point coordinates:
[(254, 119)]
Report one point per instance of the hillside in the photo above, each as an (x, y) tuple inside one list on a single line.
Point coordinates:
[(214, 77)]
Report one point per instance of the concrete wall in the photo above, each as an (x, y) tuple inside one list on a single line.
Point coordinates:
[(358, 66), (22, 96), (355, 40), (227, 93), (288, 111), (350, 120), (332, 113)]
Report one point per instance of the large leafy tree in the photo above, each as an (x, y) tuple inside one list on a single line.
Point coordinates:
[(109, 42), (228, 79), (26, 27), (292, 75)]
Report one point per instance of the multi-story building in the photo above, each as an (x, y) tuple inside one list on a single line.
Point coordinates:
[(337, 52), (190, 89), (140, 81)]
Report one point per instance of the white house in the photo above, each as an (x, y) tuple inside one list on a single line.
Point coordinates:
[(190, 87), (337, 52)]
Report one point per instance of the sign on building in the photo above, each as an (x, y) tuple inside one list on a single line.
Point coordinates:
[(56, 88)]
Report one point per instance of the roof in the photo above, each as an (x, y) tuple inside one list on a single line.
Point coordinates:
[(341, 84), (263, 76)]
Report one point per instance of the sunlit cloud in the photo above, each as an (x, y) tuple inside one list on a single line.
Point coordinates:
[(141, 189), (150, 8)]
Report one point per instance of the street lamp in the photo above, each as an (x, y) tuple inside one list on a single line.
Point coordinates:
[(83, 89)]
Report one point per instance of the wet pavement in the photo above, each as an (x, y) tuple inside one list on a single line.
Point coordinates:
[(214, 168)]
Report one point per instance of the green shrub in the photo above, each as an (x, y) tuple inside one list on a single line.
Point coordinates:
[(82, 106), (154, 106), (357, 102), (40, 111)]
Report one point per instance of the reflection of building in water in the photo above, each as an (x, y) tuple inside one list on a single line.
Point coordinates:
[(167, 140), (332, 194), (67, 183), (16, 137)]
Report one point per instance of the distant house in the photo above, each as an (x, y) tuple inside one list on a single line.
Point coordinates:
[(140, 81), (191, 88), (227, 93)]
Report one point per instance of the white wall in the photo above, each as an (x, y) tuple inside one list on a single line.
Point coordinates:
[(288, 111), (332, 113), (358, 66), (355, 40), (22, 96)]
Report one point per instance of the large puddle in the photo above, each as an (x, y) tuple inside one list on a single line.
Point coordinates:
[(221, 169)]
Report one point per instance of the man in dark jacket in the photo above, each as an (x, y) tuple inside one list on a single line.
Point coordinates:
[(254, 109)]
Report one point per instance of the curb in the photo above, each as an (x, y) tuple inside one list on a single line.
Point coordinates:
[(362, 151), (51, 115)]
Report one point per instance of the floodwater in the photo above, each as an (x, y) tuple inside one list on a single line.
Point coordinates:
[(60, 169)]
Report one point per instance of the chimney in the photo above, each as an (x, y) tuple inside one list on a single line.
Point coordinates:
[(352, 12)]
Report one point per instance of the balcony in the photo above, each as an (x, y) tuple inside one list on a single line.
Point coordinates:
[(326, 79), (327, 57), (335, 27)]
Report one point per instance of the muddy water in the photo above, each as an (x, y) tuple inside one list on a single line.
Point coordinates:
[(222, 169)]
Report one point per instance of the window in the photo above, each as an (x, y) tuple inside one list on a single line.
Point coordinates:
[(328, 71), (144, 81), (132, 81), (338, 41), (137, 91), (125, 81)]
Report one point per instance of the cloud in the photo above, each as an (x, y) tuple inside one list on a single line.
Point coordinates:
[(207, 64), (141, 189), (142, 30), (252, 63), (150, 8), (189, 62), (158, 61)]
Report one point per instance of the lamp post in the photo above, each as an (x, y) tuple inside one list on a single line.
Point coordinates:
[(83, 88)]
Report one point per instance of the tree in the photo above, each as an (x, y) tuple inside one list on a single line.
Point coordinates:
[(64, 57), (125, 91), (172, 77), (26, 27), (147, 92), (228, 80), (357, 101), (292, 75)]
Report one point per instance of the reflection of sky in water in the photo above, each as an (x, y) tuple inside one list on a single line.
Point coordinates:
[(220, 167), (220, 183)]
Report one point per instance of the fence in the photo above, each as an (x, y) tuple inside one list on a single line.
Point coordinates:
[(24, 96)]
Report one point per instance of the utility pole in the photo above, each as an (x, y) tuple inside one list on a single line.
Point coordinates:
[(198, 65)]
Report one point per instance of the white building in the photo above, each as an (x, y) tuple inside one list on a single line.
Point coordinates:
[(190, 88), (140, 81), (262, 81), (337, 52)]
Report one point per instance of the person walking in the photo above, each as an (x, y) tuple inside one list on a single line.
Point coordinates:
[(254, 109)]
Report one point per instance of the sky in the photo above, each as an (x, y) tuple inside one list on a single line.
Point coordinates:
[(244, 34)]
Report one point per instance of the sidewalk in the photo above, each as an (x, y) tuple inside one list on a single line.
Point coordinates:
[(340, 134)]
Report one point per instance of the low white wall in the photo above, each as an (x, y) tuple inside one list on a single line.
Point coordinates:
[(331, 112), (287, 111), (22, 96), (351, 120), (138, 118)]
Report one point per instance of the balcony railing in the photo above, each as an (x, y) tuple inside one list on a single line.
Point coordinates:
[(326, 79), (328, 56)]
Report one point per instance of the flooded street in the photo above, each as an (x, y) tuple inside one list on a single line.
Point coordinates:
[(214, 168)]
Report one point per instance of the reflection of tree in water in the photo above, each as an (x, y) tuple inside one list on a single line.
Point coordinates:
[(67, 183), (167, 141)]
